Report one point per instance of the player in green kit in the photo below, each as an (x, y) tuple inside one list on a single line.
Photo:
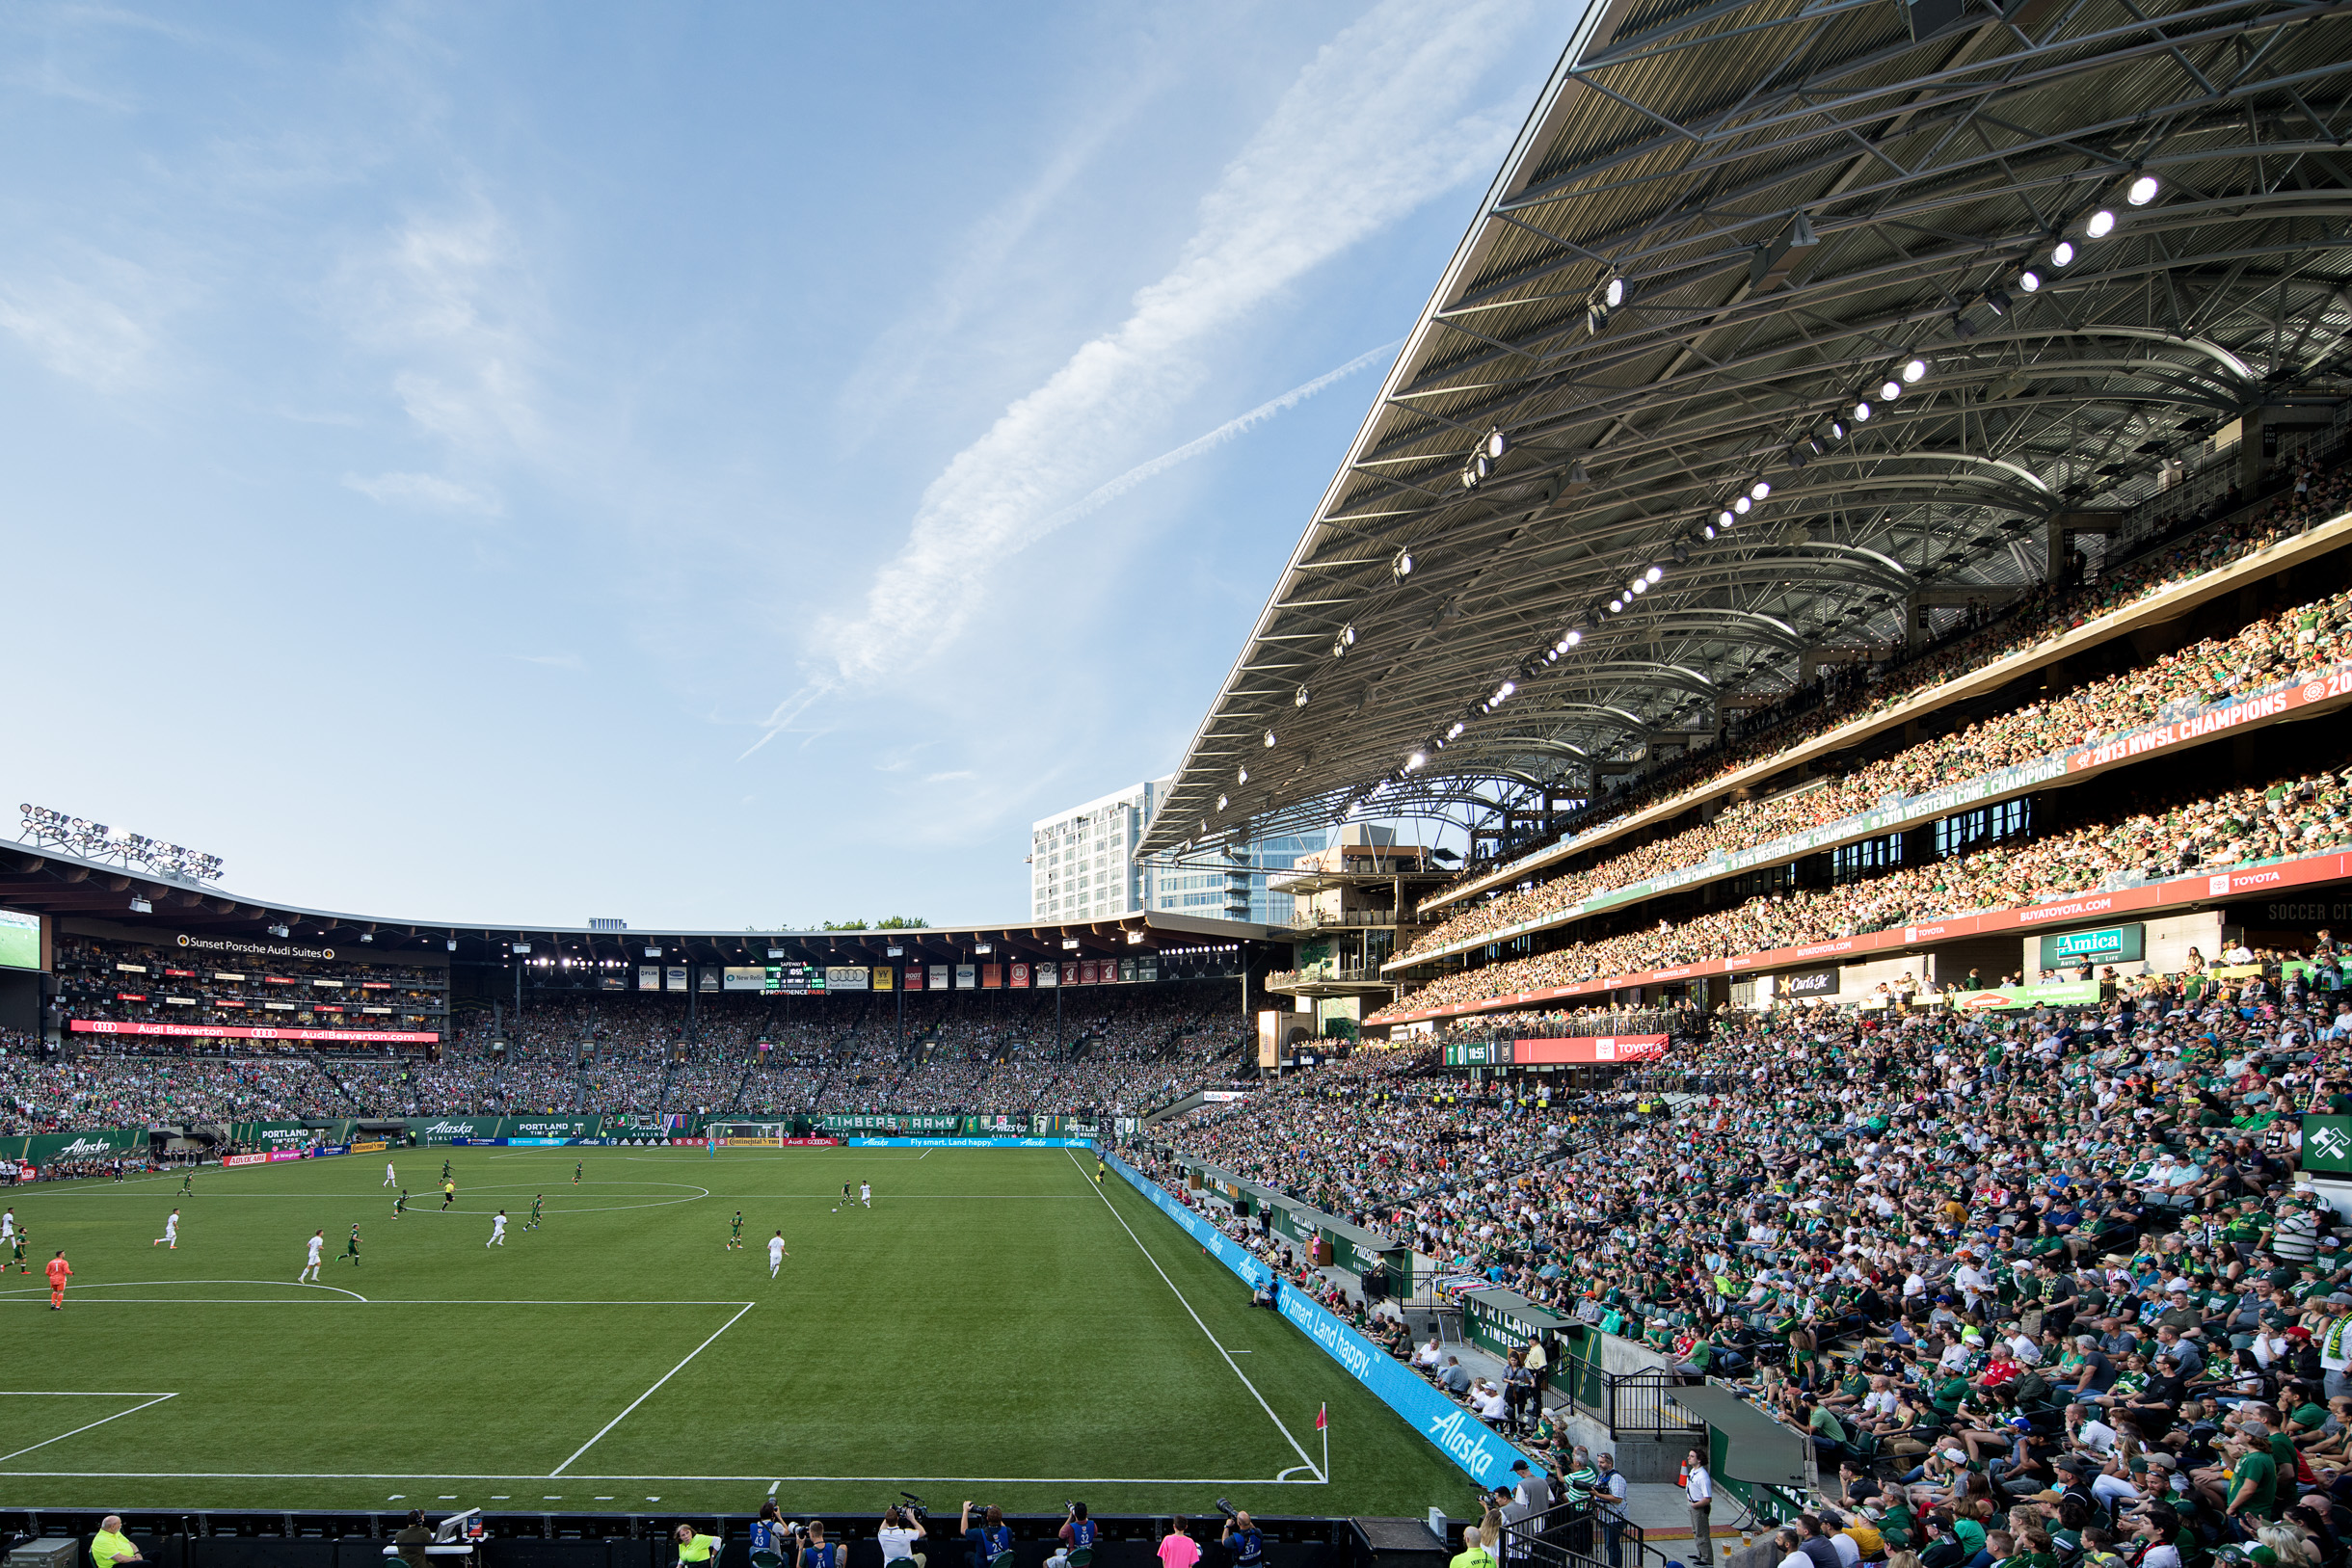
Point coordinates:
[(22, 1267), (445, 1170), (735, 1238), (351, 1248), (400, 1205), (845, 1203), (533, 1223), (187, 1182), (576, 1170)]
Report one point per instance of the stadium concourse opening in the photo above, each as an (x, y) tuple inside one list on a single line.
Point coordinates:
[(1857, 553)]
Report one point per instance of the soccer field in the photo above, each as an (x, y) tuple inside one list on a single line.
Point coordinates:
[(994, 1327)]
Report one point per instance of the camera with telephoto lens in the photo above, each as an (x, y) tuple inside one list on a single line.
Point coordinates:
[(915, 1508), (1226, 1508)]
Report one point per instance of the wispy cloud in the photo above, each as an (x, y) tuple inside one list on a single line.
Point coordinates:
[(86, 332), (553, 661), (1376, 124), (443, 297), (425, 489)]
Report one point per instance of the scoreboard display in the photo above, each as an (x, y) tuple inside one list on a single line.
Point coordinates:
[(795, 980)]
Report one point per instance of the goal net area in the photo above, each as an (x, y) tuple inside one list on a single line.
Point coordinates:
[(770, 1133)]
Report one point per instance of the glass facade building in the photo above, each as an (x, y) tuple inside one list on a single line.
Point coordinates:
[(1081, 866)]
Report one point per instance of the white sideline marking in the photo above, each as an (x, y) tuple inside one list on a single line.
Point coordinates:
[(1203, 1327), (125, 1284), (371, 1301), (647, 1394), (152, 1399), (385, 1476)]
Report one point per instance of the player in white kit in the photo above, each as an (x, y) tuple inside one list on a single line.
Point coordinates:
[(389, 1180), (309, 1270), (8, 1228), (776, 1255), (865, 1193), (498, 1230), (169, 1239)]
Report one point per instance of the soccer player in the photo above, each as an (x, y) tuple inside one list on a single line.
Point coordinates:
[(187, 1182), (400, 1205), (844, 1199), (1098, 1170), (498, 1230), (8, 1226), (577, 1169), (22, 1238), (316, 1245), (351, 1248), (389, 1179), (445, 1170), (60, 1271), (448, 1193), (536, 1200), (735, 1238), (776, 1255), (865, 1193), (169, 1239)]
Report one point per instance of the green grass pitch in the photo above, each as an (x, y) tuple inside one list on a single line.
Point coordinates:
[(994, 1327)]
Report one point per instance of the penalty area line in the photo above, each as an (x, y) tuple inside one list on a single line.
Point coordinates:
[(1304, 1459), (79, 1431), (648, 1392)]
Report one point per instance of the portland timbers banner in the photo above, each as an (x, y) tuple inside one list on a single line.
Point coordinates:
[(868, 1123)]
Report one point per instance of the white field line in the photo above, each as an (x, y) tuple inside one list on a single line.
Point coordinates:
[(127, 1284), (1303, 1456), (60, 1437), (388, 1475), (370, 1302), (648, 1392)]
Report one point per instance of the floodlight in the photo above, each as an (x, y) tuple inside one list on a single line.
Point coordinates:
[(1613, 294), (2062, 253), (1269, 740), (1890, 388), (1861, 411), (1742, 505), (1497, 443), (1300, 698), (1653, 574), (1913, 370), (2101, 224), (1760, 489), (1416, 761), (1240, 776), (2143, 189), (1401, 566)]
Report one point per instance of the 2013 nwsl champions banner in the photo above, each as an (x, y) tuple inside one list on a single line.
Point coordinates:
[(1462, 1437)]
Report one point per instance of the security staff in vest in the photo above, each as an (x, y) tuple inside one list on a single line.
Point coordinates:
[(990, 1540), (1243, 1541), (696, 1548)]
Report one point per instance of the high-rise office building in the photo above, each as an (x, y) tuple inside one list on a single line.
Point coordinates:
[(1081, 866)]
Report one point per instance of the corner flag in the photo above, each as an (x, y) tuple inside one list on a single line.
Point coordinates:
[(1323, 1417)]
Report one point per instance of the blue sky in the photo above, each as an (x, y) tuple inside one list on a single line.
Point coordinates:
[(528, 461)]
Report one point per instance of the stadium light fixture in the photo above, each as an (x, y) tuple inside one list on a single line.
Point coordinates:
[(140, 905), (1837, 430), (453, 944), (1742, 505), (1913, 370), (1269, 740), (2062, 253), (367, 935), (1997, 301), (2142, 190), (1497, 443), (1221, 802), (1726, 521), (1455, 733), (1401, 565), (1890, 389), (1862, 410), (1613, 293), (1760, 489), (1240, 777), (2100, 225), (1615, 606), (1653, 574), (2030, 281), (1415, 763), (1299, 698)]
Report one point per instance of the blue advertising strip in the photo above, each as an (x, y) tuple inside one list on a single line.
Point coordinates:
[(1458, 1435), (969, 1143)]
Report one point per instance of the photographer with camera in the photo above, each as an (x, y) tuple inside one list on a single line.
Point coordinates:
[(770, 1539), (815, 1552), (1078, 1534), (901, 1529), (991, 1542), (1241, 1539)]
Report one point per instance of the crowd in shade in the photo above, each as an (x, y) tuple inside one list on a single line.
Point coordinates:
[(2297, 815), (2278, 647), (2307, 497), (2042, 1284), (1111, 1053)]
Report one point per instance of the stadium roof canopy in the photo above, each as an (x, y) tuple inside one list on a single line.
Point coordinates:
[(1726, 224), (40, 879)]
